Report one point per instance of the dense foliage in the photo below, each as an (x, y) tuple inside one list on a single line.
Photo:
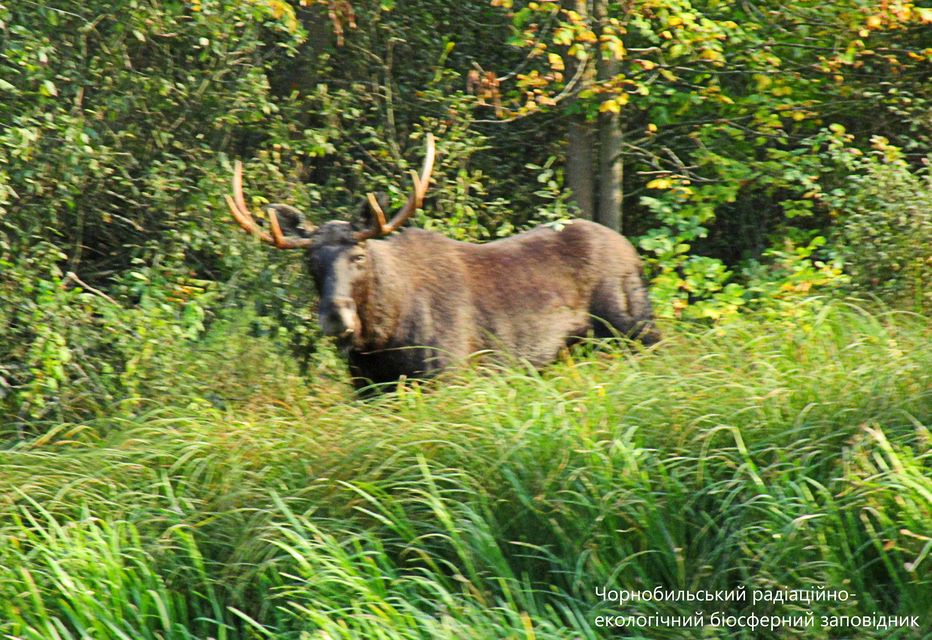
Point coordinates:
[(728, 112)]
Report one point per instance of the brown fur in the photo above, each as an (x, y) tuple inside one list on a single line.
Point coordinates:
[(420, 302)]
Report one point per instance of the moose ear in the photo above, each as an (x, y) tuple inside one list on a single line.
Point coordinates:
[(290, 220), (365, 217)]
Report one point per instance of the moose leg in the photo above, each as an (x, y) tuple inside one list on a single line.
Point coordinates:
[(373, 371), (623, 308)]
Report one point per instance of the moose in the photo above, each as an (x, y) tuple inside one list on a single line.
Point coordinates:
[(417, 302)]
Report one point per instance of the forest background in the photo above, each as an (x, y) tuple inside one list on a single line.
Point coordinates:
[(770, 161)]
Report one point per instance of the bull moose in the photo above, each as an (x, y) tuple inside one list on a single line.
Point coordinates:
[(417, 302)]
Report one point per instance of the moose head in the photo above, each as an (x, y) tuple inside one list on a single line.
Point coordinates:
[(337, 255)]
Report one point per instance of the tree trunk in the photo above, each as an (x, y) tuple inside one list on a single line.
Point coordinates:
[(611, 171), (611, 165), (580, 158), (580, 167)]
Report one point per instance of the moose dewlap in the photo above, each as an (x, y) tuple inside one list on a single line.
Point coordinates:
[(417, 302)]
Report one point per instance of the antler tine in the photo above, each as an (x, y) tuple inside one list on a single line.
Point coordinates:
[(279, 239), (415, 200), (242, 215), (238, 207), (377, 210), (418, 189)]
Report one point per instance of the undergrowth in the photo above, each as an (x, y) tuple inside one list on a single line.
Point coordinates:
[(754, 456)]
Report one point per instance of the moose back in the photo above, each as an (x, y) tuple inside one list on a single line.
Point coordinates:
[(417, 302)]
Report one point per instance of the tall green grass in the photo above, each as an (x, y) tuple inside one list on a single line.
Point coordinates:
[(492, 503)]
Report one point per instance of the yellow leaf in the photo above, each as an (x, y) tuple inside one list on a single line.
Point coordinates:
[(563, 36), (556, 62), (660, 183), (652, 127), (610, 105), (675, 21), (614, 47)]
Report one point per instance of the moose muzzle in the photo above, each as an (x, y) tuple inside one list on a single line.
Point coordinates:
[(338, 317)]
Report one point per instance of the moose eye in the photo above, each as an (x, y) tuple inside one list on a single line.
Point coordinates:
[(359, 258)]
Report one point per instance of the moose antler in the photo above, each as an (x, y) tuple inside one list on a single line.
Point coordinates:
[(415, 201), (241, 214), (276, 238)]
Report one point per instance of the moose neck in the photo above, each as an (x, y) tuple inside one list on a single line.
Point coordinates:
[(383, 296)]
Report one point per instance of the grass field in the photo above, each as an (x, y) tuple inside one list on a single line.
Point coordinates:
[(758, 457)]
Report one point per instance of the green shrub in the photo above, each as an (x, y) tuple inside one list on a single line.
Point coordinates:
[(883, 227), (117, 119)]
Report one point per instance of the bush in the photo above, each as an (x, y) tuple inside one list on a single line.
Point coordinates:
[(884, 225), (117, 121)]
